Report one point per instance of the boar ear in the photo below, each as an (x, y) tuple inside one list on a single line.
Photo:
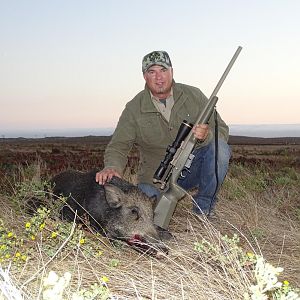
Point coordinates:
[(114, 195)]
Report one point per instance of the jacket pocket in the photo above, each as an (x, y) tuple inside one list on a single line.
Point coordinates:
[(188, 114), (151, 131)]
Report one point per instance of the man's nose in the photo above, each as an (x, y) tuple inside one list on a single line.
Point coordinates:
[(158, 75)]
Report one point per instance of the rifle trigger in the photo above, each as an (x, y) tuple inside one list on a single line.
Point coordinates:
[(184, 172)]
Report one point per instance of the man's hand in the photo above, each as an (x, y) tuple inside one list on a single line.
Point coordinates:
[(201, 131), (106, 175)]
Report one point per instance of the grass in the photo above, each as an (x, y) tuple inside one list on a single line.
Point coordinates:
[(257, 216)]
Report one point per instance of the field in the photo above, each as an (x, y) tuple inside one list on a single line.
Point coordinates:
[(85, 153), (257, 215)]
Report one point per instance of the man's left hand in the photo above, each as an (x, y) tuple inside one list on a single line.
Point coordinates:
[(201, 131)]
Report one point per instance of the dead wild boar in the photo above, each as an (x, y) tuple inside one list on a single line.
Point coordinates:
[(118, 208)]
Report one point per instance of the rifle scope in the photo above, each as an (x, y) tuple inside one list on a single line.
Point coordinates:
[(182, 133)]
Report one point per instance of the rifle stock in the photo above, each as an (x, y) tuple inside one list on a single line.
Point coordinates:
[(168, 199)]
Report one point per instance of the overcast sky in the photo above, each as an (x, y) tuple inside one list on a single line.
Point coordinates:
[(75, 64)]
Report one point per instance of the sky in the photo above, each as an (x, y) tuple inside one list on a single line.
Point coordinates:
[(75, 64)]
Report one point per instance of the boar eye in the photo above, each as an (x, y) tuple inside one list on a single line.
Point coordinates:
[(135, 212)]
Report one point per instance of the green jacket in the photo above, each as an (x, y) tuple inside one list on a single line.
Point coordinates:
[(143, 125)]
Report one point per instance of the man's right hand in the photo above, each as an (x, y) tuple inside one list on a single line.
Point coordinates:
[(106, 175)]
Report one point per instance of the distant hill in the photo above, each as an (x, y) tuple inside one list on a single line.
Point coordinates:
[(233, 140), (246, 140), (264, 131)]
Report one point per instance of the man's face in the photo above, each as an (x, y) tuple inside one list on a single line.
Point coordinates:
[(159, 80)]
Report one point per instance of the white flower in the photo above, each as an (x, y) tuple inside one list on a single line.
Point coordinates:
[(55, 286), (51, 279), (75, 296), (267, 281), (266, 275)]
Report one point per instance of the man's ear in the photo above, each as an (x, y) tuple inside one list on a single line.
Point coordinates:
[(114, 195)]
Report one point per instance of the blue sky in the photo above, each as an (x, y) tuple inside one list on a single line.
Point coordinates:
[(75, 64)]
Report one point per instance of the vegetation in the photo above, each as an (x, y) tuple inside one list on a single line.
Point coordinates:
[(249, 250)]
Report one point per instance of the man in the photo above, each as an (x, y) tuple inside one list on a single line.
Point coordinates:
[(151, 121)]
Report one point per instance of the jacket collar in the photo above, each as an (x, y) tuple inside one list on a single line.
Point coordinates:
[(147, 104)]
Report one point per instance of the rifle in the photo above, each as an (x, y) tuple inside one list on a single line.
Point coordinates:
[(179, 157)]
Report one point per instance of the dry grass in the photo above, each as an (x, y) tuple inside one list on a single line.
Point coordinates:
[(265, 218), (270, 219), (183, 274)]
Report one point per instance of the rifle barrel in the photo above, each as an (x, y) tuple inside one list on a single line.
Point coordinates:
[(218, 86)]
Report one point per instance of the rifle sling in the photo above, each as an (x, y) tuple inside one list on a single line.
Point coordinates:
[(216, 158)]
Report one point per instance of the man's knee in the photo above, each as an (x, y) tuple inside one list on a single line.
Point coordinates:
[(224, 153), (208, 153), (212, 160)]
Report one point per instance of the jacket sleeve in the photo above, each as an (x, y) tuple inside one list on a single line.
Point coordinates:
[(121, 143)]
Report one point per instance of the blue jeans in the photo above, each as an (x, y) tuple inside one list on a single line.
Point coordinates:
[(202, 176)]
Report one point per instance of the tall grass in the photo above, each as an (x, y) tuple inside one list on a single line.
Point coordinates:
[(257, 215)]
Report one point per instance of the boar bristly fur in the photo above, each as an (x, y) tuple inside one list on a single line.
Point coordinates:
[(118, 208)]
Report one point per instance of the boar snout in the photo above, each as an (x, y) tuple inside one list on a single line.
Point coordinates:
[(149, 246)]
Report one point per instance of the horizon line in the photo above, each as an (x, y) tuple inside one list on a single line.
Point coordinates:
[(113, 127)]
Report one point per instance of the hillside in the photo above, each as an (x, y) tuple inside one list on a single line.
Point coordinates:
[(244, 140)]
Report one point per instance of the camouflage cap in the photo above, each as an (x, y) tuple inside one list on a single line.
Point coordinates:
[(160, 58)]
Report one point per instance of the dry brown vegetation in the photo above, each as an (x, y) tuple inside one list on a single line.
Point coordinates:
[(259, 201)]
